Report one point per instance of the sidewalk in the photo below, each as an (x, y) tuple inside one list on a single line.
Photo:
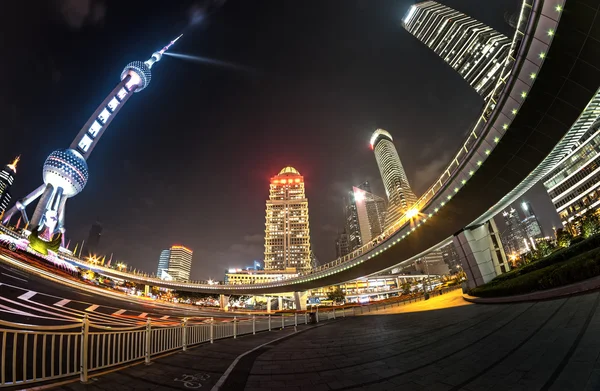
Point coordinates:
[(199, 367)]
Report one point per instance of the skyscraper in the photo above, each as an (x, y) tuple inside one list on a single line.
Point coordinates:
[(400, 196), (7, 177), (180, 263), (530, 223), (371, 213), (476, 51), (94, 237), (342, 244), (514, 237), (573, 185), (351, 221), (287, 232), (162, 271)]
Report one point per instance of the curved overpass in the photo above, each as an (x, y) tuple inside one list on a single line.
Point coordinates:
[(542, 104)]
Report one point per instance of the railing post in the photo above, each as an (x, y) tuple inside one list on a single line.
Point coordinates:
[(234, 327), (184, 334), (343, 312), (253, 324), (269, 322), (282, 322), (334, 313), (317, 314), (83, 368), (148, 341), (212, 330), (296, 319)]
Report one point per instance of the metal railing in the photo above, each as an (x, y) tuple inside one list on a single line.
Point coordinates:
[(31, 354)]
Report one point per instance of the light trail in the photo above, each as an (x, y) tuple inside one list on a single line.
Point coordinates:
[(211, 61)]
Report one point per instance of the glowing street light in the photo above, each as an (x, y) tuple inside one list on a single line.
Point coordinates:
[(412, 213)]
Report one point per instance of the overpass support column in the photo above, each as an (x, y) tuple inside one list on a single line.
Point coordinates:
[(300, 300), (268, 304), (224, 302), (481, 253), (279, 303), (146, 290)]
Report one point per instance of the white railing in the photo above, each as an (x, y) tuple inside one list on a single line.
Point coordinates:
[(31, 354)]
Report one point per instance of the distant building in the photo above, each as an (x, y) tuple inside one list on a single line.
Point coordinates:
[(342, 244), (532, 226), (351, 220), (7, 178), (573, 184), (476, 51), (242, 277), (287, 232), (94, 238), (399, 193), (371, 211), (162, 271), (450, 257), (180, 263), (433, 263), (514, 237)]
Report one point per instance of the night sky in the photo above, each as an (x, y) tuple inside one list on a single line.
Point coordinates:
[(188, 160)]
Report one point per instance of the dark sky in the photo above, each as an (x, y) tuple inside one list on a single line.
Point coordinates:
[(188, 160)]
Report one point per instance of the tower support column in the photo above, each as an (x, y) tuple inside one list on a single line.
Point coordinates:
[(300, 299), (481, 253), (42, 205)]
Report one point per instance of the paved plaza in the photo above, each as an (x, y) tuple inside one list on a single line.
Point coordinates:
[(441, 344)]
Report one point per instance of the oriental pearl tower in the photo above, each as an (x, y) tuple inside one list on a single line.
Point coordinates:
[(65, 171)]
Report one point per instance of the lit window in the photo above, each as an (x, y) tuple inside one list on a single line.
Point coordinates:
[(95, 128), (121, 94), (112, 105), (85, 143), (103, 116)]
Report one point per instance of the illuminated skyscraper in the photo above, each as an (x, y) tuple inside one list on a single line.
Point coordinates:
[(162, 271), (94, 237), (7, 177), (370, 210), (287, 232), (514, 237), (180, 263), (342, 245), (65, 171), (476, 51), (400, 195)]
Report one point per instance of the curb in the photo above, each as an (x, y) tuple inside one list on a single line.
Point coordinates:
[(582, 287)]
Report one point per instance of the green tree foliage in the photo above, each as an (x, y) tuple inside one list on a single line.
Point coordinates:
[(563, 238), (589, 224), (337, 295)]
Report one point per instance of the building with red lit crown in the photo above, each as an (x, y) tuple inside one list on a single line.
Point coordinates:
[(180, 263), (287, 232)]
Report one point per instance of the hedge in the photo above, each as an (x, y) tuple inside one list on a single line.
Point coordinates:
[(579, 268)]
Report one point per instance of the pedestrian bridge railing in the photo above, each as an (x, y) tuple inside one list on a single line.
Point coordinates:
[(33, 354)]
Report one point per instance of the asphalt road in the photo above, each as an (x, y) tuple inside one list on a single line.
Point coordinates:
[(32, 299)]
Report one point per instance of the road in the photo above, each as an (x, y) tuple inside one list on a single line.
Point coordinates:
[(32, 299)]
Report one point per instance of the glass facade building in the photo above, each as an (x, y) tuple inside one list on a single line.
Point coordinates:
[(476, 51), (162, 271), (180, 263), (574, 185), (400, 196), (287, 231)]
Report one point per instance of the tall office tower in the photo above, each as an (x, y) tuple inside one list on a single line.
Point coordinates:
[(371, 213), (162, 271), (351, 221), (342, 244), (531, 225), (400, 196), (433, 263), (573, 184), (7, 178), (450, 257), (287, 232), (180, 263), (94, 237), (65, 171), (514, 237), (476, 51)]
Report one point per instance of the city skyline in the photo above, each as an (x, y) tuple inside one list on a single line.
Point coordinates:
[(148, 178)]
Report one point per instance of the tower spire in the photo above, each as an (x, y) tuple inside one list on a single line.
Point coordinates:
[(13, 165)]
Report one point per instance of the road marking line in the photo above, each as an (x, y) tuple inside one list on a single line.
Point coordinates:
[(27, 295), (16, 278), (119, 312), (165, 317), (92, 308), (143, 315), (62, 303)]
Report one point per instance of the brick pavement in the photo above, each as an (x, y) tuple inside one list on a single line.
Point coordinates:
[(549, 345)]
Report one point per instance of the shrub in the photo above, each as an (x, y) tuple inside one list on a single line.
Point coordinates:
[(579, 268)]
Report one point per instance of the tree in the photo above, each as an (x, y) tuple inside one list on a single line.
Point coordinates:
[(337, 295), (589, 224), (563, 238), (406, 288)]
